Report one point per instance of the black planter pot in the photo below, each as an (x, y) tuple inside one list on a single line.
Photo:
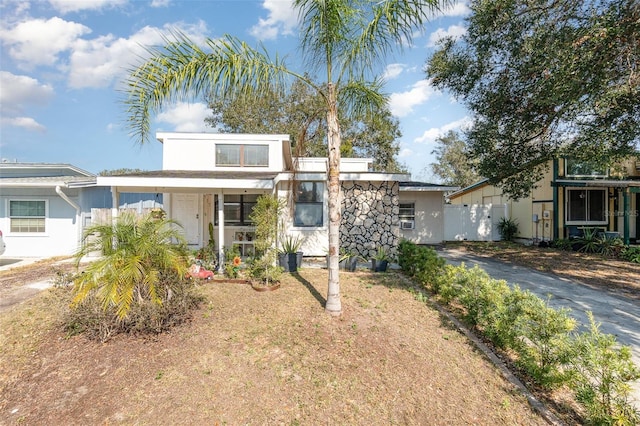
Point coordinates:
[(289, 261), (379, 265), (349, 264)]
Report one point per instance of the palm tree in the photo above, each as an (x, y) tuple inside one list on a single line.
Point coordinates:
[(138, 255), (342, 40)]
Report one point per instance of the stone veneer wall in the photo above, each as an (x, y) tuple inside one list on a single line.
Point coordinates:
[(370, 217)]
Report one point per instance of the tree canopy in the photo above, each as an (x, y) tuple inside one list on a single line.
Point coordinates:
[(453, 165), (300, 113), (545, 79)]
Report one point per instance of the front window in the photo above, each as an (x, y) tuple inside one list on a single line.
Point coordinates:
[(309, 207), (27, 216), (237, 209), (242, 155), (575, 168), (586, 206)]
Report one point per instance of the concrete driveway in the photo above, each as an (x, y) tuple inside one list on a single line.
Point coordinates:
[(618, 316)]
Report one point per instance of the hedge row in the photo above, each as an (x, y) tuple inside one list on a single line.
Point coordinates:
[(543, 340)]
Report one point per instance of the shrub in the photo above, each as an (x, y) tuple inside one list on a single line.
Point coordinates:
[(563, 244), (137, 253), (420, 262), (445, 285), (601, 373), (507, 228), (481, 295), (631, 254), (90, 318), (540, 336)]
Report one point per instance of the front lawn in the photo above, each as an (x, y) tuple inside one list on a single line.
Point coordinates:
[(259, 358)]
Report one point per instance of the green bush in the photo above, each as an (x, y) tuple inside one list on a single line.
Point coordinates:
[(601, 371), (481, 295), (507, 228), (540, 335), (563, 244), (136, 253), (445, 285), (631, 254), (420, 262)]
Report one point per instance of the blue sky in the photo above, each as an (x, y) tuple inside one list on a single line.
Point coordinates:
[(63, 61)]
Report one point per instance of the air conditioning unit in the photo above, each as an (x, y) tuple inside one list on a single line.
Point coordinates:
[(407, 224)]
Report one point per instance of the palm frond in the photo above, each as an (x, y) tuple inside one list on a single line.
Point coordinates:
[(181, 70)]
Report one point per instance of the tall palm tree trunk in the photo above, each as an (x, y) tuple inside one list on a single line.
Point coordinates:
[(334, 305)]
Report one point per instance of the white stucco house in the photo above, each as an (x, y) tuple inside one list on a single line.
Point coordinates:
[(216, 178)]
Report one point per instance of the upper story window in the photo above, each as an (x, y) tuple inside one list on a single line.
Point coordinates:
[(309, 207), (575, 168), (242, 155), (27, 216)]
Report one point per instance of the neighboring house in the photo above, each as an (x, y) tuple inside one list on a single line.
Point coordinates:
[(44, 208), (570, 198), (41, 208), (216, 178)]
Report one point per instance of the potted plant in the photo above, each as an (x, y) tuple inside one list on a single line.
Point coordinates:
[(348, 260), (380, 260), (290, 256)]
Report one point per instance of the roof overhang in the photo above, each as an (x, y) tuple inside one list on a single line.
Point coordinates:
[(48, 182), (426, 187), (596, 183)]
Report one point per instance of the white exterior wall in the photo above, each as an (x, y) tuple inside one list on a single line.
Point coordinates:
[(197, 151), (315, 240), (429, 222), (62, 231)]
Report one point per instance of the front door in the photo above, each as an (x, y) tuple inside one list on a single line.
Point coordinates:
[(186, 210)]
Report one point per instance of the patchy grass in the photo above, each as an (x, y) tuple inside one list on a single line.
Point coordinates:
[(259, 358)]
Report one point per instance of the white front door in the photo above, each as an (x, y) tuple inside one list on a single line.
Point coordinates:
[(186, 210)]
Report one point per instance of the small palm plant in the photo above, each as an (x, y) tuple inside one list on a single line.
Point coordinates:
[(142, 258)]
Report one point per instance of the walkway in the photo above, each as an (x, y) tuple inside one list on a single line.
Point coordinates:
[(618, 316)]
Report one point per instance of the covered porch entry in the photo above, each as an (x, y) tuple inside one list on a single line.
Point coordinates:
[(212, 207)]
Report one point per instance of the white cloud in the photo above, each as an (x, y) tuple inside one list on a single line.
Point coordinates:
[(455, 31), (282, 19), (186, 117), (392, 71), (160, 3), (27, 123), (66, 6), (101, 61), (457, 9), (402, 104), (19, 91), (430, 135), (405, 153), (40, 42)]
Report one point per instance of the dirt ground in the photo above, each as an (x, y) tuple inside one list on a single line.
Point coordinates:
[(274, 357)]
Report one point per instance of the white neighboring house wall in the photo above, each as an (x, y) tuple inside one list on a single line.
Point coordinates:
[(52, 225)]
